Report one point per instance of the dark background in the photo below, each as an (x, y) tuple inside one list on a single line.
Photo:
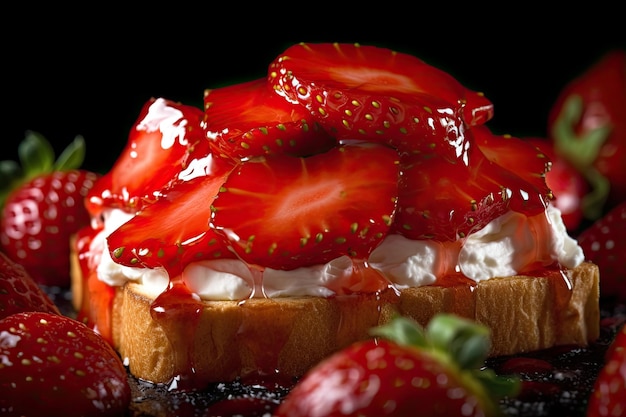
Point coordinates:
[(90, 74)]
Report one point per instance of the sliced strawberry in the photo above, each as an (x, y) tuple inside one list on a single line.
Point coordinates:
[(248, 119), (173, 230), (603, 244), (521, 157), (367, 92), (524, 161), (19, 292), (284, 212), (408, 371), (379, 71), (55, 365), (164, 141), (446, 199)]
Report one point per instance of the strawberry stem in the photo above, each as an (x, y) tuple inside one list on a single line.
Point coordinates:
[(36, 156), (581, 151), (403, 331), (467, 341), (72, 156)]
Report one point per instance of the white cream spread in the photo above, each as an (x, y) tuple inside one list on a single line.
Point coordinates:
[(505, 247)]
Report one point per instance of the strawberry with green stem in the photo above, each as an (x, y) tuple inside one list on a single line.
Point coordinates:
[(405, 371), (587, 124), (43, 206)]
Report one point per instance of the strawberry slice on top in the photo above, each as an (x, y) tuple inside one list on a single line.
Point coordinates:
[(445, 199), (247, 119), (368, 92), (285, 212), (162, 142), (521, 157), (174, 230)]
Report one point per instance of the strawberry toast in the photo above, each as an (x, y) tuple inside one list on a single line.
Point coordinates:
[(295, 212)]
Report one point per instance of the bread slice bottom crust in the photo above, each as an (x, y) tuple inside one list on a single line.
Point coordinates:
[(219, 341)]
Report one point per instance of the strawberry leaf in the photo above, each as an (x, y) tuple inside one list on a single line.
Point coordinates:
[(72, 156), (581, 151), (36, 155), (499, 386), (467, 341), (458, 341), (402, 330), (9, 172)]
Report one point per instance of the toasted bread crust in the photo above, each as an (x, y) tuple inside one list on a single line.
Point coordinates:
[(230, 339)]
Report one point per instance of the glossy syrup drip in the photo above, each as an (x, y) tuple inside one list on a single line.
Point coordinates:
[(357, 299), (562, 286), (357, 305), (455, 280), (256, 347), (262, 343), (178, 313), (361, 279), (560, 282), (558, 279), (360, 299)]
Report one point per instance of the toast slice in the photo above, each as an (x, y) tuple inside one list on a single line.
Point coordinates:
[(217, 341)]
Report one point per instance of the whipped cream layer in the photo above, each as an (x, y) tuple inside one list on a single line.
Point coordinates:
[(507, 246)]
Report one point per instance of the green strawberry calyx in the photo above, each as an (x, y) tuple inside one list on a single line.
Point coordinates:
[(37, 158), (461, 344), (582, 151)]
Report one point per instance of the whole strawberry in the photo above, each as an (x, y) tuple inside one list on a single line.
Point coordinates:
[(42, 206), (608, 397), (587, 124), (53, 365), (408, 372), (19, 292), (603, 244)]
